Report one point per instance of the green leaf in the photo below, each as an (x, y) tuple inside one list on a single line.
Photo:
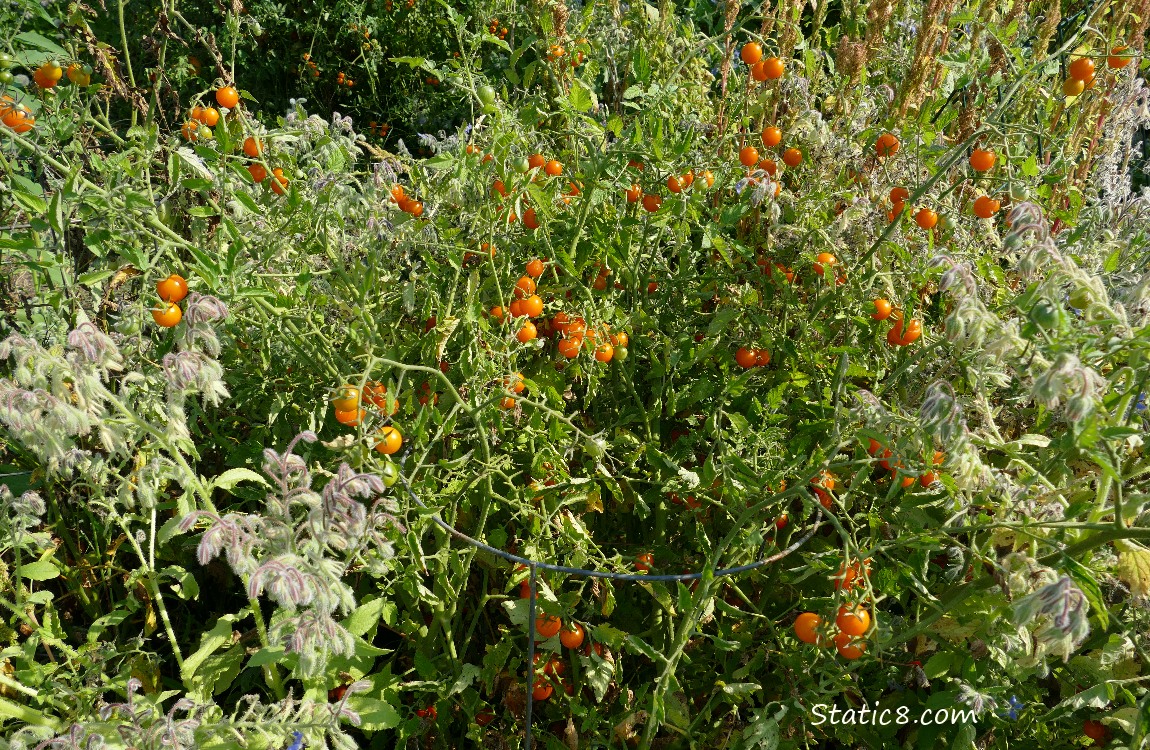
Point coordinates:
[(230, 478), (938, 665), (1084, 579), (265, 656), (374, 713), (365, 617), (582, 97), (33, 39), (470, 674), (220, 634), (40, 570)]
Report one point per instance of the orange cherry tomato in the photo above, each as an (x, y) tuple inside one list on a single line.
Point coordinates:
[(772, 136), (547, 626), (572, 635), (527, 332), (882, 309), (982, 161), (172, 289), (350, 417), (167, 315), (886, 145), (853, 620), (806, 627), (392, 441), (751, 53), (227, 97)]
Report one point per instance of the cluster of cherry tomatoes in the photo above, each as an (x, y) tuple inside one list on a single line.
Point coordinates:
[(884, 454), (171, 290), (312, 68), (343, 80), (49, 74), (852, 621), (898, 335), (1081, 70), (572, 332), (348, 404), (769, 69), (406, 203), (496, 29), (675, 183), (379, 129)]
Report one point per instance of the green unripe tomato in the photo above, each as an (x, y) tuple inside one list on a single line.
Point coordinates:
[(621, 353), (6, 77), (389, 473), (1044, 314), (1080, 298), (486, 95), (521, 165), (6, 61), (1019, 193)]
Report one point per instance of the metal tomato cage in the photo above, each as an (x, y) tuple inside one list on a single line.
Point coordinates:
[(533, 566)]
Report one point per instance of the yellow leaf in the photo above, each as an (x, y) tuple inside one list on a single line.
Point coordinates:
[(1134, 567)]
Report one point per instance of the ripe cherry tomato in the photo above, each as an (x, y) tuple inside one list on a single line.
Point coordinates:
[(847, 575), (848, 647), (258, 172), (745, 358), (572, 635), (484, 716), (674, 184), (569, 346), (652, 202), (899, 194), (634, 193), (547, 625), (926, 218), (882, 309), (346, 398), (986, 207), (350, 417), (167, 315), (1082, 69), (644, 561), (172, 289), (748, 156), (773, 67), (227, 97), (982, 161), (824, 259), (392, 441), (806, 627), (1073, 87), (279, 185), (553, 168), (524, 287), (604, 352), (792, 157), (534, 267), (853, 620), (886, 145), (772, 136), (912, 333), (527, 332), (542, 689), (532, 307), (1094, 729), (751, 53), (1118, 58)]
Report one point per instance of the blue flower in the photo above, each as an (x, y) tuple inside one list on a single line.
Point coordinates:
[(1012, 708), (296, 741), (1140, 404)]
